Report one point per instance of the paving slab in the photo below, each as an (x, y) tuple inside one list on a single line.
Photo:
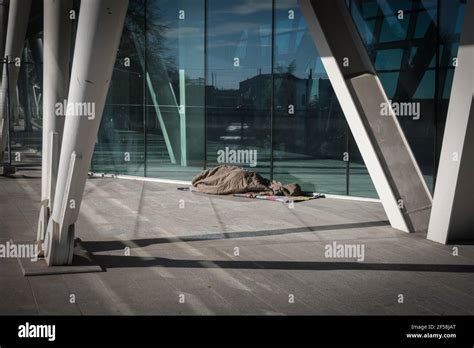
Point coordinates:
[(280, 268)]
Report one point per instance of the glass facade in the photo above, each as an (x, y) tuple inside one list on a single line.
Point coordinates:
[(25, 129), (199, 83)]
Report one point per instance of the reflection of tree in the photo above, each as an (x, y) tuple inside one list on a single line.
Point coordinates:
[(290, 68), (155, 39)]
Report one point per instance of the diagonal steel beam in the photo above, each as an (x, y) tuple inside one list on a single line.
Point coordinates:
[(97, 41), (3, 30), (452, 215), (56, 58), (387, 155)]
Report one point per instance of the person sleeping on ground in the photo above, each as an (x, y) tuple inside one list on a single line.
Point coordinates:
[(226, 180)]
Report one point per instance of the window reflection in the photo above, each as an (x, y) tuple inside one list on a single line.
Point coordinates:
[(120, 143), (200, 80), (402, 46), (310, 131), (175, 88), (239, 81)]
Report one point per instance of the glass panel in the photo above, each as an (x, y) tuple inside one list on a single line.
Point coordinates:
[(388, 59), (175, 88), (120, 141), (25, 101), (310, 130), (402, 46), (239, 83)]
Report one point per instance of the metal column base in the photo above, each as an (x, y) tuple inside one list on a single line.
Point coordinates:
[(56, 251), (83, 262)]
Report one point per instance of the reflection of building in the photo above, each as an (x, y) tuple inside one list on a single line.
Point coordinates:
[(248, 107), (290, 90)]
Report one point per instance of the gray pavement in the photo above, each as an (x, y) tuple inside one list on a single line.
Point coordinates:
[(197, 254)]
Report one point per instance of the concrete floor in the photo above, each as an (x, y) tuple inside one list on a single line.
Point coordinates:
[(190, 251)]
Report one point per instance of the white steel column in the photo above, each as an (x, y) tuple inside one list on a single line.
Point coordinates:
[(56, 58), (387, 155), (97, 41), (452, 215), (18, 15), (3, 30)]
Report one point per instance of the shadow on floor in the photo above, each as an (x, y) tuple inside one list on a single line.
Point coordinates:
[(114, 261), (96, 246), (109, 261)]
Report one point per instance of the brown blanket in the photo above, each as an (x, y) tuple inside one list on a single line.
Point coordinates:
[(225, 180)]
